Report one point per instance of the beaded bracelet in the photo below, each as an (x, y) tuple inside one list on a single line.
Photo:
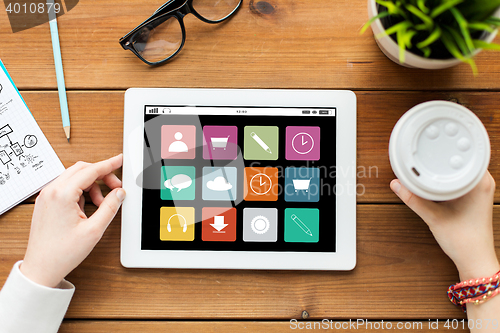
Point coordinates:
[(474, 291), (483, 298)]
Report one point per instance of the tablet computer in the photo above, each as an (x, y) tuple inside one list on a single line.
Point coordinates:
[(239, 179)]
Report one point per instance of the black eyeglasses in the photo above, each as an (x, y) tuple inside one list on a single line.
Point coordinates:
[(162, 35)]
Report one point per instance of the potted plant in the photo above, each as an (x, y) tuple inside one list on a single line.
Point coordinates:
[(434, 34)]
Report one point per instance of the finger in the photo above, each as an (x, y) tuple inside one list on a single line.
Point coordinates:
[(108, 209), (486, 185), (96, 194), (69, 172), (424, 208), (81, 203), (87, 176), (112, 181), (492, 182), (483, 192)]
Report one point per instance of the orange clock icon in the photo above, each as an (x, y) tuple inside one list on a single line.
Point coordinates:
[(261, 184)]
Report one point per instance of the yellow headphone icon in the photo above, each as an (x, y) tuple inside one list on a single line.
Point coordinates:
[(184, 227)]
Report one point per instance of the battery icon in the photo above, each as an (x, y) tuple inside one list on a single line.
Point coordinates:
[(306, 112), (324, 111)]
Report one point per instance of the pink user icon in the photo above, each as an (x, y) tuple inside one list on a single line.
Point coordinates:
[(178, 141)]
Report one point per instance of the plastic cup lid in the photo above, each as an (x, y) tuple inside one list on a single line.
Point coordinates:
[(439, 150)]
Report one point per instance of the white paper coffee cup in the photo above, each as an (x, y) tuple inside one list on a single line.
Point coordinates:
[(439, 150)]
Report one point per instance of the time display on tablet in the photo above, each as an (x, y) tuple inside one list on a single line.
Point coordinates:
[(222, 178)]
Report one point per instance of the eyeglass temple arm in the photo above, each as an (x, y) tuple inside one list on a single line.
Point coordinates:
[(163, 6)]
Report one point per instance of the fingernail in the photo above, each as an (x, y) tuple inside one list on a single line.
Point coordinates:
[(121, 194), (395, 186)]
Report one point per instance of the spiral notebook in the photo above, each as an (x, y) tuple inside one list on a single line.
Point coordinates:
[(27, 160)]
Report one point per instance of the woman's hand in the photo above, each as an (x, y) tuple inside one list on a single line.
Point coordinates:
[(62, 236), (463, 227)]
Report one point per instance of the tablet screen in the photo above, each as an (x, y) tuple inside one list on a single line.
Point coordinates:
[(221, 178)]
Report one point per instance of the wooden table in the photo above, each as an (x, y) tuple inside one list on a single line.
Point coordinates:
[(401, 275)]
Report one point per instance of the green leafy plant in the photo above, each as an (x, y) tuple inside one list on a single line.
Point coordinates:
[(428, 27)]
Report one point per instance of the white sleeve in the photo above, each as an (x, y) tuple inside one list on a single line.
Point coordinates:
[(26, 306)]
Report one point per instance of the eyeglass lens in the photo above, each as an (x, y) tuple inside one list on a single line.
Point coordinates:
[(161, 38), (214, 10)]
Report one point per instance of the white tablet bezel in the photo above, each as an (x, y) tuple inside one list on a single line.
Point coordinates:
[(345, 256)]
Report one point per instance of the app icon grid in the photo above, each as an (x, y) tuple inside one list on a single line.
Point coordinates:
[(266, 139)]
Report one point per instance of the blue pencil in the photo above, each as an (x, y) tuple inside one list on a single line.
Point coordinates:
[(63, 101)]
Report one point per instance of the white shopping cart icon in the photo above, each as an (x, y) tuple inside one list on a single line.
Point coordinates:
[(301, 184), (219, 142)]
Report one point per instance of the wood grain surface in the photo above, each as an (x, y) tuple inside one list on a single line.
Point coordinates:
[(247, 326), (401, 273), (296, 44), (97, 129)]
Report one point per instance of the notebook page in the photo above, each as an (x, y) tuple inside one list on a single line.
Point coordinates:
[(27, 161)]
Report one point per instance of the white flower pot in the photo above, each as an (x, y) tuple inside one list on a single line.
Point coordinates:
[(391, 49)]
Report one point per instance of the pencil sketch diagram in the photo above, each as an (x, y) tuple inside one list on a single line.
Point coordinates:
[(4, 106), (16, 156)]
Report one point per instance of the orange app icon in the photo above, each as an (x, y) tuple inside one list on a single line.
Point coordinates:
[(219, 224), (261, 184)]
